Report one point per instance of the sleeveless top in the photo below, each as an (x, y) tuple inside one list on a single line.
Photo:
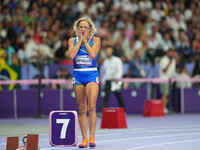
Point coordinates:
[(82, 61)]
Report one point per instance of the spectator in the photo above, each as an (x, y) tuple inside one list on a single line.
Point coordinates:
[(62, 74), (136, 66), (166, 43), (137, 69), (145, 4), (36, 50), (2, 56), (9, 49), (5, 14), (157, 13), (168, 66), (60, 53), (130, 51), (112, 76), (154, 39), (184, 75), (22, 53), (164, 25), (196, 69), (3, 32), (16, 66)]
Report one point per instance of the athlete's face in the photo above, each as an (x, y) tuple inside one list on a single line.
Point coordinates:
[(84, 28)]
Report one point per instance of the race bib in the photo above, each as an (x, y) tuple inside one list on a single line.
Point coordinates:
[(83, 60)]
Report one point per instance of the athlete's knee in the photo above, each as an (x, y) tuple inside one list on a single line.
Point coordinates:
[(82, 105), (92, 109), (82, 112)]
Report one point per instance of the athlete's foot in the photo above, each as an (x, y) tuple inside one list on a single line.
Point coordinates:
[(92, 142), (84, 144)]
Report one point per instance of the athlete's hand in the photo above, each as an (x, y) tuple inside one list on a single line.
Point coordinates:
[(85, 35), (80, 36)]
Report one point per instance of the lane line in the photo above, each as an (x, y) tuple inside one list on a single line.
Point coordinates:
[(164, 127), (147, 137), (166, 143), (134, 129)]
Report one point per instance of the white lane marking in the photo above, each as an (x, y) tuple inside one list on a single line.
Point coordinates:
[(148, 137), (161, 144), (138, 129), (130, 129)]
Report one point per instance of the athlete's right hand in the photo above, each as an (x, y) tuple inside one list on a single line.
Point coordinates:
[(80, 36)]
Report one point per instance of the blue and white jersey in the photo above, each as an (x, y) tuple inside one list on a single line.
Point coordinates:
[(82, 60), (85, 68)]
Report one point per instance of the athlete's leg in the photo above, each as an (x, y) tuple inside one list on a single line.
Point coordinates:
[(80, 93), (92, 89)]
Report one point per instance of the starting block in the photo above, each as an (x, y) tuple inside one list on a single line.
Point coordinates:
[(113, 117), (31, 143), (63, 128), (153, 108), (12, 143)]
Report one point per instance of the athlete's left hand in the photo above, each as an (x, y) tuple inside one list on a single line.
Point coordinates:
[(85, 35)]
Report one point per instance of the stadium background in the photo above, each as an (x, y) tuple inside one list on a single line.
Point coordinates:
[(34, 34), (33, 46)]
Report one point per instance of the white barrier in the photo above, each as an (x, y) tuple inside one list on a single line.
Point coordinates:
[(128, 80)]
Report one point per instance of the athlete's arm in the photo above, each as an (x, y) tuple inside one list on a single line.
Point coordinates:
[(94, 50), (73, 49)]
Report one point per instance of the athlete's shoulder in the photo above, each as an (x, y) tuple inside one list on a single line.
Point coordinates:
[(71, 39), (97, 38)]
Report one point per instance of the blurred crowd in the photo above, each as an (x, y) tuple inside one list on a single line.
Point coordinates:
[(141, 32)]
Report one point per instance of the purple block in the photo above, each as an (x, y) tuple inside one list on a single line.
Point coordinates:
[(99, 105), (6, 106), (50, 100), (63, 128), (69, 102), (133, 99), (27, 103), (192, 100)]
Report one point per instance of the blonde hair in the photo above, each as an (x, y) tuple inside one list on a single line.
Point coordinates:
[(88, 20)]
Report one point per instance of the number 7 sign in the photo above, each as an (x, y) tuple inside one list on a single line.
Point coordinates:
[(63, 128)]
